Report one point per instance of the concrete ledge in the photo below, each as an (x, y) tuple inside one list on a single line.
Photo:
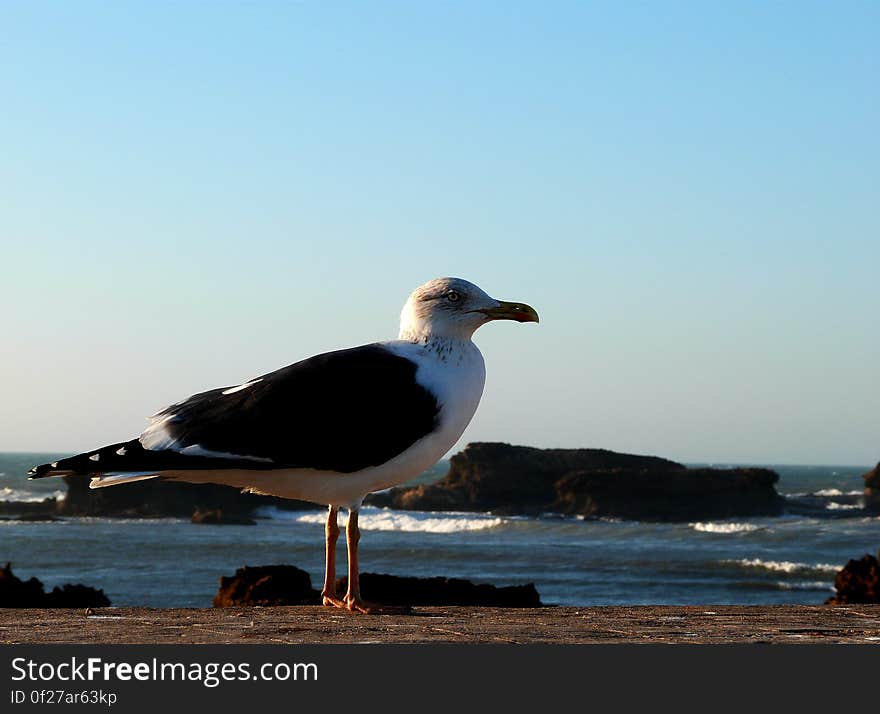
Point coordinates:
[(561, 625)]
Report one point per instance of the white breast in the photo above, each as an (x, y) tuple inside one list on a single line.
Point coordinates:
[(454, 372)]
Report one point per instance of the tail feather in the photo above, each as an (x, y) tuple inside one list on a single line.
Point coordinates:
[(129, 459), (126, 456)]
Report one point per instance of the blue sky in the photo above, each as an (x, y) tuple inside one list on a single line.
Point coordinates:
[(194, 193)]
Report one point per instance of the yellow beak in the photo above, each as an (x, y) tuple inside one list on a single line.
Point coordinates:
[(518, 311)]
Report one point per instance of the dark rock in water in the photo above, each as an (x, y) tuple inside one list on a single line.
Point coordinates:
[(397, 590), (155, 498), (508, 479), (267, 585), (872, 489), (217, 517), (15, 592), (857, 582), (19, 593), (77, 595), (29, 510), (681, 495), (38, 518), (590, 482)]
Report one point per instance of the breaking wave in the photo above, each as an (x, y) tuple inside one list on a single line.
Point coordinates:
[(834, 506), (377, 519), (23, 496), (835, 492), (784, 566), (711, 527), (806, 585), (822, 493)]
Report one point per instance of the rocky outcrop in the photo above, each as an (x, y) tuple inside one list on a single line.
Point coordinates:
[(216, 517), (37, 518), (872, 489), (397, 590), (155, 498), (679, 495), (15, 592), (509, 479), (267, 585), (29, 510), (288, 585), (858, 582), (75, 595)]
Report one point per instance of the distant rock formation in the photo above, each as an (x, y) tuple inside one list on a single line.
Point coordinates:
[(155, 498), (29, 510), (15, 592), (686, 495), (508, 479), (872, 489), (858, 582), (288, 585), (216, 517), (37, 518), (267, 585), (397, 590)]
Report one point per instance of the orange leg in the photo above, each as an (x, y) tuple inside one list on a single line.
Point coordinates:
[(352, 600), (352, 535), (328, 594)]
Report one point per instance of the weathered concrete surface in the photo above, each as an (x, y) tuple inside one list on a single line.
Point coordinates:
[(296, 625)]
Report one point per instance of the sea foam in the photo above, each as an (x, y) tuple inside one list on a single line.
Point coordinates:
[(806, 585), (376, 519), (23, 496), (835, 492), (784, 566), (834, 506), (710, 527)]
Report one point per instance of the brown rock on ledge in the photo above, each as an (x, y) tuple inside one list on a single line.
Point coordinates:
[(397, 590), (590, 482), (288, 585), (267, 585), (858, 582)]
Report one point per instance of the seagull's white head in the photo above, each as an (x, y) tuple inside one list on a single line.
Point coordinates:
[(455, 308)]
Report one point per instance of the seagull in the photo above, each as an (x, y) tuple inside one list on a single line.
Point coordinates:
[(329, 429)]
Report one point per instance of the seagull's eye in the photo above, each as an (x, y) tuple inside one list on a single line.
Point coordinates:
[(453, 296)]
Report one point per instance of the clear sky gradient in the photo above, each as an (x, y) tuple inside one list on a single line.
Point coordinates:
[(195, 193)]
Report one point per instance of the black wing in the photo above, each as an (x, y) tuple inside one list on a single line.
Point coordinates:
[(340, 411)]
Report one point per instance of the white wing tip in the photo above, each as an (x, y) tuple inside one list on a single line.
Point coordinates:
[(244, 385)]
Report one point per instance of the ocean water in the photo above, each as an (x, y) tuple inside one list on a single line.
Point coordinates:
[(171, 562)]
